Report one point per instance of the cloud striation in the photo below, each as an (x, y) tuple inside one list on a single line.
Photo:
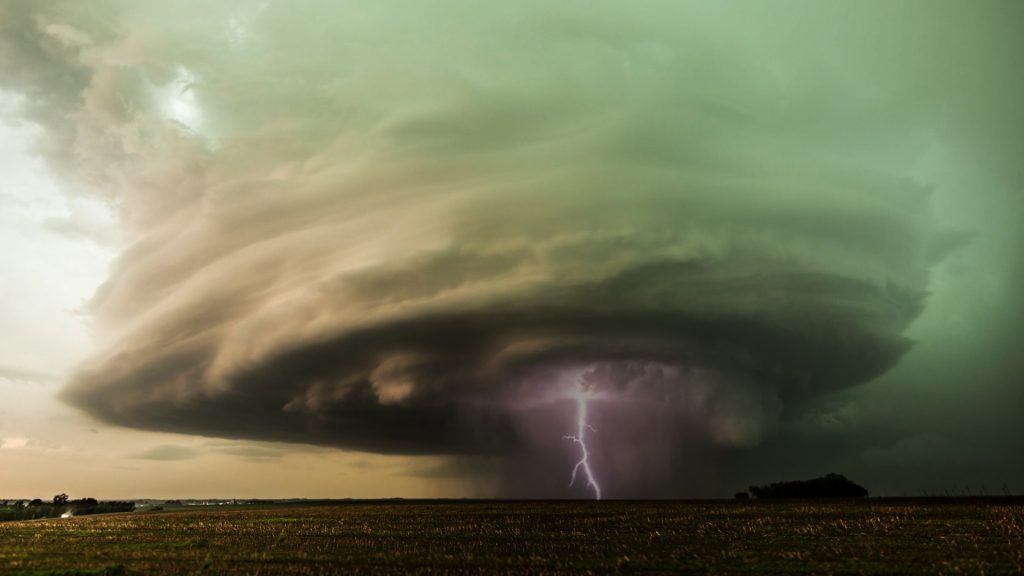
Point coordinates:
[(402, 228)]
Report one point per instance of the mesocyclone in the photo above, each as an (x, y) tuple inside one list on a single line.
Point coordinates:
[(376, 241)]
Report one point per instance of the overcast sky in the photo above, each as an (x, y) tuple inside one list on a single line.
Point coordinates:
[(254, 249)]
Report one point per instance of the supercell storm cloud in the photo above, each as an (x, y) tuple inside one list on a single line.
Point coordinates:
[(412, 231)]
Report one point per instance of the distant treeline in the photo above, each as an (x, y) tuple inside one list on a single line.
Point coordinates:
[(33, 509), (829, 486)]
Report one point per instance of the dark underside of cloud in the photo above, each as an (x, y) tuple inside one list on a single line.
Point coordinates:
[(450, 382), (418, 245)]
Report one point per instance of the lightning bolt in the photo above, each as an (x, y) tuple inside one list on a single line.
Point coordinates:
[(580, 439)]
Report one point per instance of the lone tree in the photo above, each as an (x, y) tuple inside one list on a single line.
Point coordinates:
[(830, 486), (60, 499)]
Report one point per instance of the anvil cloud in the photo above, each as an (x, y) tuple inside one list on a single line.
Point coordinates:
[(379, 227)]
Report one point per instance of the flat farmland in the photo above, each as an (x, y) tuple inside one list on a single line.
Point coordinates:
[(857, 537)]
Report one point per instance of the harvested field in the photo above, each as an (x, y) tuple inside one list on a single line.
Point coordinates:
[(858, 537)]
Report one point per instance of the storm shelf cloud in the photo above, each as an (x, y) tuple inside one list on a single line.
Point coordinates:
[(415, 230)]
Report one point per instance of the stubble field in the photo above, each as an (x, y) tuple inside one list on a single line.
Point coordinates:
[(867, 537)]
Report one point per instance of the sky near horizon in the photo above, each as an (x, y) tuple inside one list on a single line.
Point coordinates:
[(313, 249)]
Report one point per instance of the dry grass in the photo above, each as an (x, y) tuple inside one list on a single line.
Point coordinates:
[(869, 537)]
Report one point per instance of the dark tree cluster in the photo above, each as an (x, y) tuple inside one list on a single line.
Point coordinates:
[(829, 486), (59, 505)]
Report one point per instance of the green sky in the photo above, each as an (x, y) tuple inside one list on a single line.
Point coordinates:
[(384, 243)]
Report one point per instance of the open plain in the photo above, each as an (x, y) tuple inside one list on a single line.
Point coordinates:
[(851, 537)]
